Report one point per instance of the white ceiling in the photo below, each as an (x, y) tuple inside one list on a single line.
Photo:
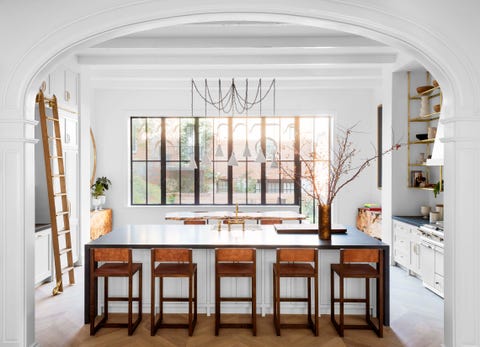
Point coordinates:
[(299, 56)]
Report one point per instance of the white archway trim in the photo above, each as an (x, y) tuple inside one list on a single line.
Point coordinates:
[(90, 25)]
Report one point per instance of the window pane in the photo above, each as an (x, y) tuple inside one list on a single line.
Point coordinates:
[(221, 183), (287, 137), (187, 138), (206, 154), (139, 137), (239, 183), (272, 184), (154, 135), (220, 126), (187, 185), (287, 194), (139, 185), (172, 184), (172, 139), (254, 195), (154, 188)]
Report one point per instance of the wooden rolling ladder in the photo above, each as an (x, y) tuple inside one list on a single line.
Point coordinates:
[(57, 191)]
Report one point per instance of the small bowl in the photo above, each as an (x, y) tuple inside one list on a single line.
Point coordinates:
[(421, 137), (424, 89), (437, 108), (435, 83)]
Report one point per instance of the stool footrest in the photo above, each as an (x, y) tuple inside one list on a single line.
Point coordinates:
[(236, 325), (174, 325), (114, 298), (236, 299), (297, 325), (350, 300), (177, 299)]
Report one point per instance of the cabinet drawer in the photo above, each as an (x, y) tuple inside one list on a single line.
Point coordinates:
[(401, 257)]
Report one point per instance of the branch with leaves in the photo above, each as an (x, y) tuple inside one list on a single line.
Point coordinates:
[(340, 167)]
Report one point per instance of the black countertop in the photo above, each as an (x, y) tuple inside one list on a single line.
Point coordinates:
[(413, 220), (206, 236)]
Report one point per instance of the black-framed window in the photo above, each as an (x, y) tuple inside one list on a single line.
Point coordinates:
[(165, 151)]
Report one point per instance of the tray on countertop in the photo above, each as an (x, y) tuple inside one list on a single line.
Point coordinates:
[(307, 229)]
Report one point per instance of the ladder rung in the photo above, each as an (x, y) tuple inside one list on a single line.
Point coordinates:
[(51, 119), (67, 268), (58, 176), (56, 157), (64, 250), (60, 194), (63, 232), (54, 138), (62, 213)]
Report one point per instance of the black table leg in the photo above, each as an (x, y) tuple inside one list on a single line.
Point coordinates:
[(386, 285), (86, 289)]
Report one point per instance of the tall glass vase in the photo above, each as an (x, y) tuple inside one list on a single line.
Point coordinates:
[(324, 222)]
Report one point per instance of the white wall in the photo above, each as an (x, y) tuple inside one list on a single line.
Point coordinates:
[(111, 110)]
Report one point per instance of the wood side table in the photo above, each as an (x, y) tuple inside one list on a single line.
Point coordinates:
[(100, 223), (370, 221)]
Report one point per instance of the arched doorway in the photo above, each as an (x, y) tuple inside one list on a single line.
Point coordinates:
[(95, 26)]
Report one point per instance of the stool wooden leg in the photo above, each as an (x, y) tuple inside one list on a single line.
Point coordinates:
[(140, 297), (195, 297), (160, 300), (332, 297), (277, 302), (152, 305), (130, 304), (309, 298), (254, 305), (274, 299), (342, 318), (217, 304), (190, 304), (105, 297), (316, 303), (367, 299)]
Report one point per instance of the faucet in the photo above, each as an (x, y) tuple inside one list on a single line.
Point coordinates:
[(236, 220)]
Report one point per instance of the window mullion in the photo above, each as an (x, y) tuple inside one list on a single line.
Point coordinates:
[(229, 167), (297, 165), (196, 175), (263, 167), (163, 165)]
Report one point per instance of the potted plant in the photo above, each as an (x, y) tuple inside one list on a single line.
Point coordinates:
[(98, 189)]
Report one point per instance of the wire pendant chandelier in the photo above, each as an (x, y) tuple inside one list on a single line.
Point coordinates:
[(234, 102)]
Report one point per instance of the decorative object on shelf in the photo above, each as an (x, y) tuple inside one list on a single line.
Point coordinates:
[(439, 209), (421, 137), (421, 158), (436, 108), (437, 188), (98, 190), (425, 211), (425, 106), (435, 83), (424, 89), (434, 217), (341, 173), (418, 180), (431, 132)]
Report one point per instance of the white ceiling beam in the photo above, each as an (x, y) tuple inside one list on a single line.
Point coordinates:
[(264, 59), (242, 42), (227, 73)]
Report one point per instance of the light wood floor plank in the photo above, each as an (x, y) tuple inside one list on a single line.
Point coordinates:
[(417, 320)]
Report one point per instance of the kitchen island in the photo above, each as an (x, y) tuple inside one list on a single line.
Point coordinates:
[(203, 239)]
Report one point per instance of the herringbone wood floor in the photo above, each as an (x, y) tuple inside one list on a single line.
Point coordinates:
[(59, 322)]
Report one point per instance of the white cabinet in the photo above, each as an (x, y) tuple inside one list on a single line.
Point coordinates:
[(406, 246), (64, 84), (43, 256), (432, 266)]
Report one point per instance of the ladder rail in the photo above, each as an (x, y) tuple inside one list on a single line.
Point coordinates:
[(62, 210)]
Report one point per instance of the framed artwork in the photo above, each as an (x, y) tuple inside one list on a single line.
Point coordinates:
[(379, 145), (417, 179)]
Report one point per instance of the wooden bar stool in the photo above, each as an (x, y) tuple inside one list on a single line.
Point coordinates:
[(118, 263), (349, 267), (296, 262), (235, 262), (173, 262), (268, 221)]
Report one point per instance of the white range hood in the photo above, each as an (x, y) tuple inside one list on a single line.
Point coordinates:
[(437, 152)]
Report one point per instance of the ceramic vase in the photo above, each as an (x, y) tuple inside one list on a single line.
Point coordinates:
[(425, 106), (324, 222)]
